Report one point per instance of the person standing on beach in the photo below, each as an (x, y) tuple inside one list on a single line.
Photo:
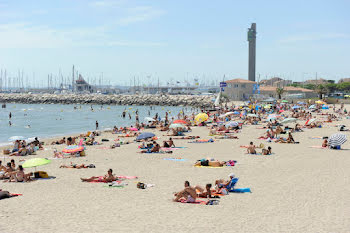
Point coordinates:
[(96, 125), (137, 118), (10, 115), (123, 114)]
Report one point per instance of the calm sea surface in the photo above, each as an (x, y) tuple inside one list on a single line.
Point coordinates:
[(49, 120)]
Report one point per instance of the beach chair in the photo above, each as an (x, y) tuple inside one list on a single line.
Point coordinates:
[(231, 187)]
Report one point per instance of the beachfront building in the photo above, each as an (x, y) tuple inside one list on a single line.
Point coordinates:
[(82, 86), (239, 89), (289, 92)]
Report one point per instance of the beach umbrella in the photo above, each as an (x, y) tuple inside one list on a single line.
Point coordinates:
[(272, 117), (288, 120), (325, 107), (252, 115), (284, 101), (310, 121), (201, 117), (174, 126), (149, 119), (30, 140), (133, 129), (231, 124), (312, 107), (15, 138), (295, 107), (320, 102), (36, 162), (73, 149), (337, 139), (145, 136), (301, 102), (180, 122), (229, 113), (236, 113)]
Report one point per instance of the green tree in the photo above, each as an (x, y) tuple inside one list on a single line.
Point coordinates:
[(345, 86), (331, 87), (321, 90), (279, 92), (310, 86)]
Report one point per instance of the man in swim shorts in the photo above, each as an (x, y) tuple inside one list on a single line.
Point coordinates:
[(189, 194)]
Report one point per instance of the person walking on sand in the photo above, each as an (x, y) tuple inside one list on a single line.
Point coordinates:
[(10, 115), (96, 125)]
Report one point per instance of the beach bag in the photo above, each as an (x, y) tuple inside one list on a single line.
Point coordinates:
[(6, 152), (41, 174), (141, 185)]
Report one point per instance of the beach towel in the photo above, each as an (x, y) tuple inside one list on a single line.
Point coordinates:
[(202, 141), (175, 159), (5, 194), (207, 166), (168, 149), (241, 190), (48, 178), (127, 177), (318, 147), (200, 202)]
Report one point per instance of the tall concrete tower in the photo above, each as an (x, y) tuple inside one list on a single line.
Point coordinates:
[(252, 51)]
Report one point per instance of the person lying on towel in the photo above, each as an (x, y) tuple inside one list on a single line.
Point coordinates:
[(210, 163), (105, 179)]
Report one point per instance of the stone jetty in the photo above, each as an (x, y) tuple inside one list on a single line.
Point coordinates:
[(162, 99)]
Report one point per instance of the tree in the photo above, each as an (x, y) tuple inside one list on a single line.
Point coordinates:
[(345, 86), (310, 86), (279, 92), (331, 87), (321, 90)]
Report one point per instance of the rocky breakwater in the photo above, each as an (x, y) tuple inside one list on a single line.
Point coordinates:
[(165, 100)]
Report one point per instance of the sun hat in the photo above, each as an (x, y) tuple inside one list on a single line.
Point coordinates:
[(232, 175)]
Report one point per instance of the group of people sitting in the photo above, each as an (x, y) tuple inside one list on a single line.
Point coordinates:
[(22, 148), (190, 193), (12, 174), (251, 149)]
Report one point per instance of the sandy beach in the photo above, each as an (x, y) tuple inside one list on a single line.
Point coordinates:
[(296, 189)]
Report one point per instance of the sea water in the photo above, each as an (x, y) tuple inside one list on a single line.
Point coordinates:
[(51, 120)]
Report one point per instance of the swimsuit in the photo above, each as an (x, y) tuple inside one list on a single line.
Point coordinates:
[(190, 199)]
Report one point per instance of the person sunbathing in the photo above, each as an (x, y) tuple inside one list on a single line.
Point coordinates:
[(325, 143), (251, 148), (222, 186), (21, 176), (266, 151), (207, 193), (106, 179), (188, 194), (169, 143), (210, 163), (21, 152), (62, 141), (188, 137), (77, 166)]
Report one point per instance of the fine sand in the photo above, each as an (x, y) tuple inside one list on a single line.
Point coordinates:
[(297, 189)]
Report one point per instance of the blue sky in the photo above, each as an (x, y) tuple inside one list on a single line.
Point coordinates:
[(175, 40)]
